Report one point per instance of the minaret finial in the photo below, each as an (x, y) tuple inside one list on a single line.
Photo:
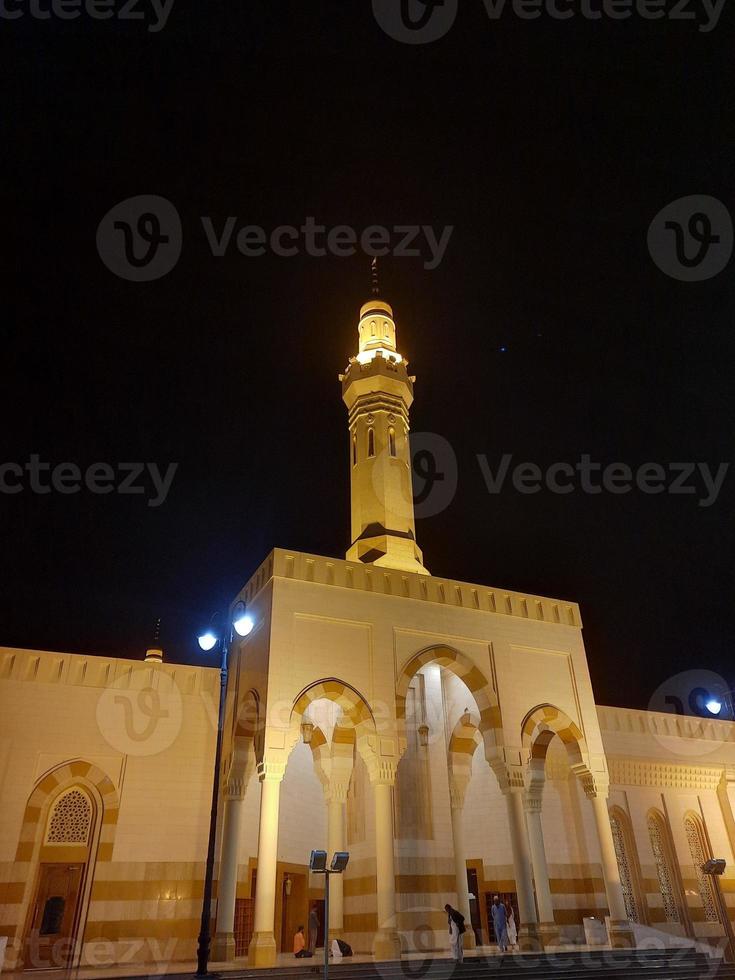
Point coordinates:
[(374, 276), (155, 654)]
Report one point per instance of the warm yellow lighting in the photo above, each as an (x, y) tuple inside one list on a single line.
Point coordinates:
[(366, 356)]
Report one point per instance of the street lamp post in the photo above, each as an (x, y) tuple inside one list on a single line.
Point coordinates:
[(318, 866), (241, 624)]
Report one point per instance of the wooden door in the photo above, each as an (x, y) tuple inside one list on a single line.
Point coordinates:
[(52, 928)]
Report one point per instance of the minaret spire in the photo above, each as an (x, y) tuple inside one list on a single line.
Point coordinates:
[(374, 276), (378, 393)]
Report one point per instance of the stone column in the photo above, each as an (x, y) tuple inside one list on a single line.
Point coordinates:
[(548, 931), (336, 840), (621, 933), (223, 945), (456, 797), (262, 951), (387, 945), (528, 932)]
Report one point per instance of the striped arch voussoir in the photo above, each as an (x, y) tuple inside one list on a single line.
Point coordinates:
[(350, 701), (543, 724), (470, 675), (61, 778)]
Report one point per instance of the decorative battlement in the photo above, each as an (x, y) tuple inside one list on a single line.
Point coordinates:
[(660, 724), (409, 585), (80, 670)]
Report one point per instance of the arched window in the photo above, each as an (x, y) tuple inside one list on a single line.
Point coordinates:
[(627, 864), (354, 450), (700, 853), (371, 442), (665, 870), (392, 441), (71, 819)]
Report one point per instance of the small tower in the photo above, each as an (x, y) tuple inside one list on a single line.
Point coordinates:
[(378, 393), (154, 655)]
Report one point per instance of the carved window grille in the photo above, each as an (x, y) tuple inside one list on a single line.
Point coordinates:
[(626, 873), (695, 838), (663, 869), (71, 819)]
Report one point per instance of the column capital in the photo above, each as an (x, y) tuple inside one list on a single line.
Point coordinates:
[(595, 787), (335, 791), (383, 772), (272, 772), (532, 802), (235, 789), (510, 778)]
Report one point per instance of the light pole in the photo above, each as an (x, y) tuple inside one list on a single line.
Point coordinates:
[(714, 868), (241, 623), (318, 866)]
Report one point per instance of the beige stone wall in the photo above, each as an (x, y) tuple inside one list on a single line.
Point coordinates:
[(139, 739)]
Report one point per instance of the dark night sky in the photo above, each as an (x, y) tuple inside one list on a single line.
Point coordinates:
[(548, 145)]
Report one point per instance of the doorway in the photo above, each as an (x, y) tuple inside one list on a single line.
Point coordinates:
[(474, 893), (509, 899), (54, 915)]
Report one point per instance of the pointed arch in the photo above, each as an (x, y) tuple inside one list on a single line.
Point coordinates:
[(356, 711), (667, 868), (59, 782), (626, 854), (51, 786), (490, 720), (540, 726), (700, 851)]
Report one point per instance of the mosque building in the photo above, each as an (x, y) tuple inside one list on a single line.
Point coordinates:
[(444, 733)]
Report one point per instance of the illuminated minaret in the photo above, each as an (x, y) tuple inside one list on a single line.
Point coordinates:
[(378, 392)]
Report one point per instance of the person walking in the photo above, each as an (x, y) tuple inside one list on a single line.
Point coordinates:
[(511, 926), (456, 931), (500, 924), (313, 928)]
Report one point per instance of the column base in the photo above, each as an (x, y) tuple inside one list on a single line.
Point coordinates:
[(223, 947), (386, 945), (262, 949), (529, 938), (469, 940), (620, 934), (548, 934)]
